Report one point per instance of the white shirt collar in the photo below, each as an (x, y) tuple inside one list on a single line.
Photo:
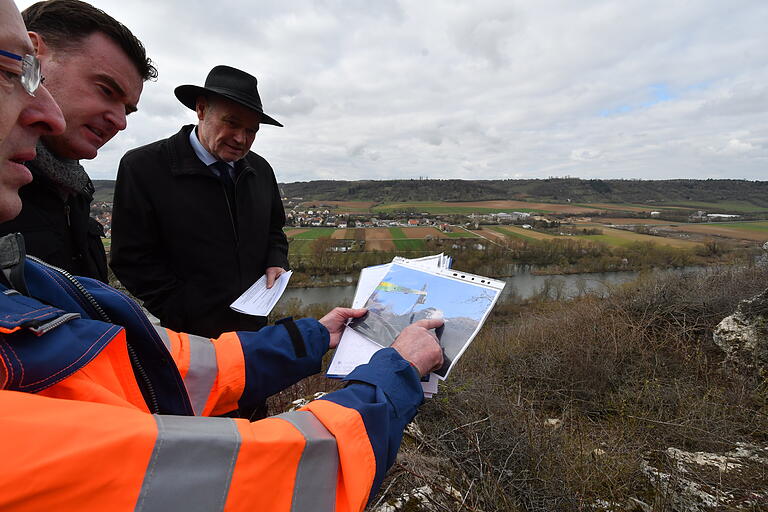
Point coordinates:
[(202, 153)]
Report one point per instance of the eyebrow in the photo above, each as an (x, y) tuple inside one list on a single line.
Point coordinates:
[(129, 108), (235, 118)]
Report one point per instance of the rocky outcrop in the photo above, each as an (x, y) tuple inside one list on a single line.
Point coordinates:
[(743, 336), (699, 481)]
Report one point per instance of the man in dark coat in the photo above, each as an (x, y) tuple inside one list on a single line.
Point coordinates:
[(197, 217), (94, 68)]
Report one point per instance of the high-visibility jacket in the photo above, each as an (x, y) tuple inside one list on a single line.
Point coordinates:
[(100, 410)]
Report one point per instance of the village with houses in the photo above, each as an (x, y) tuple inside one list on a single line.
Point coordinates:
[(332, 214)]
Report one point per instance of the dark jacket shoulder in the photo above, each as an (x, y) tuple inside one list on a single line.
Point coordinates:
[(59, 230)]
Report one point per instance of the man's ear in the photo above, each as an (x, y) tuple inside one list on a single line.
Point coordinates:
[(41, 49), (200, 106)]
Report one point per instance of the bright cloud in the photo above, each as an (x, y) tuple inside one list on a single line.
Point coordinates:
[(483, 89)]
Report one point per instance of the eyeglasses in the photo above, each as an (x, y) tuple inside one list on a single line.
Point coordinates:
[(29, 77)]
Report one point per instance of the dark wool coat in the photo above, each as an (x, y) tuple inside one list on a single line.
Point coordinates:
[(176, 245), (59, 231)]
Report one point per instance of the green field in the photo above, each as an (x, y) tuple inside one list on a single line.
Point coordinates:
[(397, 233), (623, 238), (313, 233), (437, 208), (409, 245), (749, 226), (300, 247), (460, 234)]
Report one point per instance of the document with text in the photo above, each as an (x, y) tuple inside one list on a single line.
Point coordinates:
[(258, 300)]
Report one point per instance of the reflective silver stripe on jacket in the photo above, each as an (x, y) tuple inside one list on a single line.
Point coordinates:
[(163, 336), (191, 465), (315, 488), (202, 371)]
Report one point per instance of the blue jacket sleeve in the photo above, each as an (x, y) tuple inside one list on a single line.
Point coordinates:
[(275, 360), (387, 393)]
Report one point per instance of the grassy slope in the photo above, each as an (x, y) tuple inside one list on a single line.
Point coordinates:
[(555, 404)]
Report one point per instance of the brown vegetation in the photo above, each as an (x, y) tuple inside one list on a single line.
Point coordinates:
[(556, 404)]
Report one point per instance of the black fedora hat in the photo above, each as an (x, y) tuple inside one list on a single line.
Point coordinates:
[(230, 83)]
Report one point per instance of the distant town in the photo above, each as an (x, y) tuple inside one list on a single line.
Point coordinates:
[(329, 215)]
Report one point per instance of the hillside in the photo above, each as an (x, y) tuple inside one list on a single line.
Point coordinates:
[(681, 192), (666, 192), (620, 403)]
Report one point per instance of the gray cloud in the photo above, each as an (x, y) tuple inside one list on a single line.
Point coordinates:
[(491, 88)]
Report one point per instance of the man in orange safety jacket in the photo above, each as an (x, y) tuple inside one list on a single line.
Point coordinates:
[(100, 410)]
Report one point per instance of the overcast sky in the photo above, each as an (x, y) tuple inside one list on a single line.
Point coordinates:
[(481, 89)]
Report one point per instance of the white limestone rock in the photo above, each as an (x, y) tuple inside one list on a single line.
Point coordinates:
[(743, 336)]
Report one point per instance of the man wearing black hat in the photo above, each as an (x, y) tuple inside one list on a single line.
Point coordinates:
[(197, 217)]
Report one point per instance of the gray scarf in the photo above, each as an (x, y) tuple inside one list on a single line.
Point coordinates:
[(68, 176)]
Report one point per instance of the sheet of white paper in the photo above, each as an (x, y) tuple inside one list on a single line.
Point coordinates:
[(430, 387), (452, 291), (355, 349), (258, 300), (370, 277)]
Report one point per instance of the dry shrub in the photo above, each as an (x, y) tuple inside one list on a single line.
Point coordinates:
[(623, 377)]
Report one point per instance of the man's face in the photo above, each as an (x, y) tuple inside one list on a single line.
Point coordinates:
[(23, 118), (97, 86), (226, 128)]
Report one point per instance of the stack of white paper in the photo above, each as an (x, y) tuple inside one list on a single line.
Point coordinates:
[(258, 300), (403, 291)]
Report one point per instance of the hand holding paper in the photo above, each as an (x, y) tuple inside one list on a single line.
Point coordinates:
[(336, 320), (258, 300), (418, 345)]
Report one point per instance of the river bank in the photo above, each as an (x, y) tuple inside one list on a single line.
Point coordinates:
[(523, 284)]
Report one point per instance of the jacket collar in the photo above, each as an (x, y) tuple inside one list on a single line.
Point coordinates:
[(184, 161)]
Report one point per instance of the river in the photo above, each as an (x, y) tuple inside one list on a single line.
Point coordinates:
[(520, 286)]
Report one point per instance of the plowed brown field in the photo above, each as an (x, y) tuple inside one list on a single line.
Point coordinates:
[(378, 239)]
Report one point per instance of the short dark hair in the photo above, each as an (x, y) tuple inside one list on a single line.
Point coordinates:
[(65, 23)]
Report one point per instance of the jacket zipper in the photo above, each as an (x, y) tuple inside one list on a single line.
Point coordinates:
[(153, 405), (66, 212), (48, 327)]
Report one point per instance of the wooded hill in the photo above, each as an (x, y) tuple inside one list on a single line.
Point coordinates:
[(555, 190)]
